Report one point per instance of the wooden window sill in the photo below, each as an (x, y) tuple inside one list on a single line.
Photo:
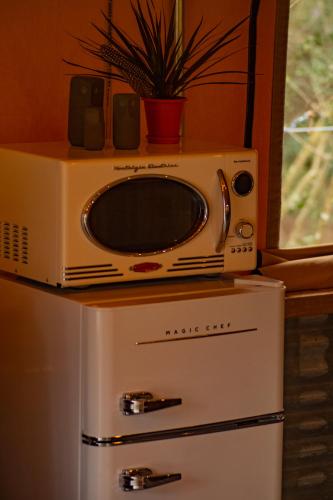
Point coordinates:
[(309, 303)]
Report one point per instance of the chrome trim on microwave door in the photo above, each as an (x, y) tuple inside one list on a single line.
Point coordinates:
[(92, 200), (226, 211)]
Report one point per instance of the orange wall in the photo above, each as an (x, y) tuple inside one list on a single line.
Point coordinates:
[(33, 85), (34, 81), (218, 112), (34, 38)]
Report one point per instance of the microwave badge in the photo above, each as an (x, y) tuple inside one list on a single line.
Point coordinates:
[(145, 267)]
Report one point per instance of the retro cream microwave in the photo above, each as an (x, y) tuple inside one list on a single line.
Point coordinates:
[(71, 217)]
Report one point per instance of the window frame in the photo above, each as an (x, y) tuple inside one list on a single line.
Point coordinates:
[(276, 145), (303, 303), (277, 122)]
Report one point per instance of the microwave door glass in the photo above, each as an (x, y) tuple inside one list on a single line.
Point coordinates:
[(145, 215)]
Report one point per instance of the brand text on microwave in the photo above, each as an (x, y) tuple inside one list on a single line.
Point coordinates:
[(136, 168)]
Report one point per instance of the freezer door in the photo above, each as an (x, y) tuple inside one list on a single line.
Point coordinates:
[(150, 367), (233, 465)]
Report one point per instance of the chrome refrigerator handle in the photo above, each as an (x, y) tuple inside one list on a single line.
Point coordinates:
[(142, 478), (135, 403), (226, 211)]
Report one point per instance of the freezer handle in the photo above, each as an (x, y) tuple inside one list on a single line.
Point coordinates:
[(135, 403), (142, 478)]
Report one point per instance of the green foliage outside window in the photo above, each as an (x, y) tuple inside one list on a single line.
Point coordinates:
[(307, 182)]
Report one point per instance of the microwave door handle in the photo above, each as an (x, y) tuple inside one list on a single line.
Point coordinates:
[(226, 211)]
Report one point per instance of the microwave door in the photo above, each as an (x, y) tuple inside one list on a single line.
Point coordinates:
[(145, 215), (226, 211)]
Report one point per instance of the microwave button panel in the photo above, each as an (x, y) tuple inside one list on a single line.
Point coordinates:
[(243, 248)]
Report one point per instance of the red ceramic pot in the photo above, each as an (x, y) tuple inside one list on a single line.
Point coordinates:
[(163, 118)]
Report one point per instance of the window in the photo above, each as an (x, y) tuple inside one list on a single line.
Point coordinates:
[(307, 173)]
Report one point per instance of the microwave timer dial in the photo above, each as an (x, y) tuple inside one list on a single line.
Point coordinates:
[(244, 230), (242, 183)]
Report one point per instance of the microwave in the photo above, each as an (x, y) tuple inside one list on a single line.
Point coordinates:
[(71, 218)]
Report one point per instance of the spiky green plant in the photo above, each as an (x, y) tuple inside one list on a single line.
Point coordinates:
[(159, 66)]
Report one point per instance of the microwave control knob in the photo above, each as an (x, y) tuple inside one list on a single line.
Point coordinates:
[(244, 230), (242, 183)]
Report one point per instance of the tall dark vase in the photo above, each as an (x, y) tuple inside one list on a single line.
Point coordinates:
[(163, 118)]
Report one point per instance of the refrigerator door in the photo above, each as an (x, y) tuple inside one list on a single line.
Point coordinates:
[(167, 365), (233, 465)]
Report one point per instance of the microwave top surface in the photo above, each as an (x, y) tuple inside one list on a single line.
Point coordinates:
[(63, 152)]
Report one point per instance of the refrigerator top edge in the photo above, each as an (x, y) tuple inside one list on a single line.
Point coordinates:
[(168, 290)]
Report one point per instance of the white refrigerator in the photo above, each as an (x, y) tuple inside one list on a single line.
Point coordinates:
[(155, 391)]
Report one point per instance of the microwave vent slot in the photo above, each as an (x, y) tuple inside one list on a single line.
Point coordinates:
[(91, 272), (199, 262), (14, 242)]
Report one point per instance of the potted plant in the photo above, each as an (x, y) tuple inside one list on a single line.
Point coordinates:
[(158, 67)]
